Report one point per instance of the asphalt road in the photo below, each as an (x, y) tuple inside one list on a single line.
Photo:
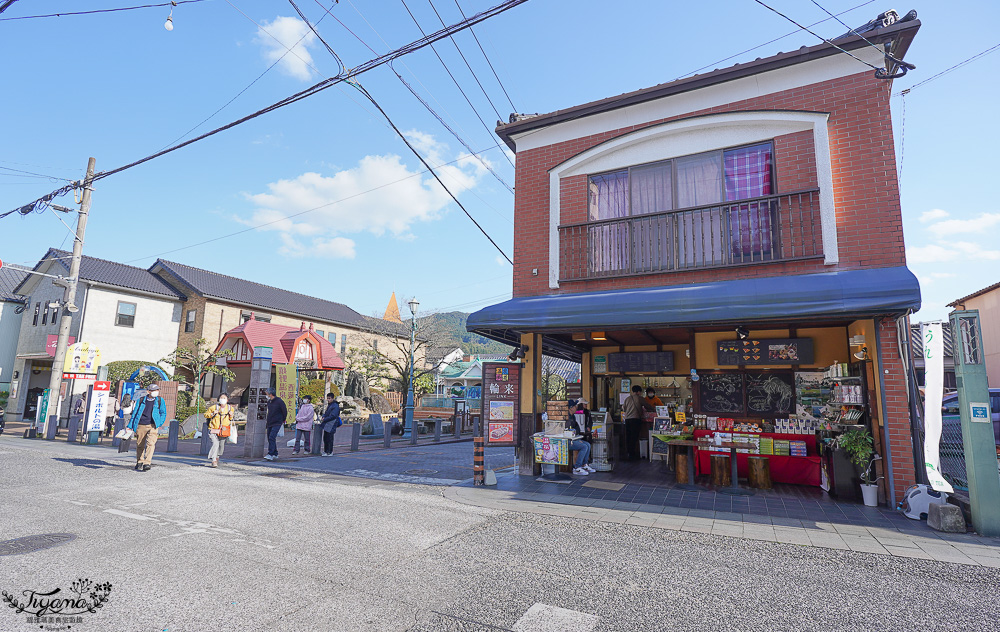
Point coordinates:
[(186, 547)]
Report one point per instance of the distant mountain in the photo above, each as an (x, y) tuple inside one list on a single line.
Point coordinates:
[(451, 326)]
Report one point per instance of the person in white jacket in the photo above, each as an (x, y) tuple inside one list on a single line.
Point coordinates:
[(304, 423)]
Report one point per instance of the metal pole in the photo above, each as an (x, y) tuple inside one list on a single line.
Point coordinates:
[(69, 294), (409, 392)]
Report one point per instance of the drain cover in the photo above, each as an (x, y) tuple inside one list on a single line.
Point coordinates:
[(32, 543), (420, 472), (281, 474)]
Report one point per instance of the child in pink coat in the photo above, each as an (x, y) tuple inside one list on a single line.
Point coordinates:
[(304, 423)]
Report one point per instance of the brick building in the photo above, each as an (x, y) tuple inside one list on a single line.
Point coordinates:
[(755, 203)]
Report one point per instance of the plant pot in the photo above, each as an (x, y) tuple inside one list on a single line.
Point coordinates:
[(870, 494)]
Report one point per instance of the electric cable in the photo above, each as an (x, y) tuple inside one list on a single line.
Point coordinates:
[(850, 29), (487, 58), (30, 174), (434, 173), (312, 28), (947, 70), (454, 80), (807, 29), (59, 15), (467, 64)]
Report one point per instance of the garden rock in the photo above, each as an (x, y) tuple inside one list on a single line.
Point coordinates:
[(947, 518)]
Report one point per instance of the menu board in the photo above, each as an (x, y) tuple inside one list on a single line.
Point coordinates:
[(641, 362), (770, 393), (774, 351), (501, 403), (721, 393)]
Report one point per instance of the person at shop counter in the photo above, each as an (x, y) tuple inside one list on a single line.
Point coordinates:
[(581, 423), (632, 412), (652, 399)]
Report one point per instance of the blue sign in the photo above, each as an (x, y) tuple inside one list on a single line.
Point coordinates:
[(980, 412)]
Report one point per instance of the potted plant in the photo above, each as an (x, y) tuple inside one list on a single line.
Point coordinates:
[(860, 449)]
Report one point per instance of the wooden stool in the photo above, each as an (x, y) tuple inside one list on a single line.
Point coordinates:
[(681, 468), (720, 470), (759, 472)]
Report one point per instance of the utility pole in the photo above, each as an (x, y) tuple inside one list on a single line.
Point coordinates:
[(69, 296)]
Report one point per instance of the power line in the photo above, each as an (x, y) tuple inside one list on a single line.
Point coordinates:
[(41, 203), (849, 28), (59, 15), (416, 153), (330, 50), (32, 174), (807, 29), (487, 58), (947, 70), (467, 64), (454, 80)]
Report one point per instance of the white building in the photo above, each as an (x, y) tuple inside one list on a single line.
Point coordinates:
[(127, 312), (11, 307)]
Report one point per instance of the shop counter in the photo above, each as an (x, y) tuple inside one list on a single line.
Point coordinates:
[(797, 470)]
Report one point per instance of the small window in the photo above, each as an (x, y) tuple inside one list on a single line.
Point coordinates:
[(343, 344), (45, 316), (332, 337), (126, 314), (55, 315), (189, 323), (245, 316), (264, 318), (320, 333), (38, 308)]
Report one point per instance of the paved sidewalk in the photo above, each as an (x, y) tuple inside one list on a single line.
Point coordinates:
[(922, 543)]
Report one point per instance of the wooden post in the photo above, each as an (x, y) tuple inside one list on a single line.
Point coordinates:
[(680, 468), (720, 470), (759, 472)]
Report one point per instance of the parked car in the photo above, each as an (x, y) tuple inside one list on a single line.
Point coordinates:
[(951, 421)]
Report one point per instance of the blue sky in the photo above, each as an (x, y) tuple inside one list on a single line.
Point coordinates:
[(118, 86)]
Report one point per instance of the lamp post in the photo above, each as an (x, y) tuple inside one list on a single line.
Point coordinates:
[(414, 304)]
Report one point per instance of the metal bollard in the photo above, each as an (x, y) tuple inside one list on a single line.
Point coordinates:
[(119, 426), (173, 434), (386, 431), (355, 437), (52, 427), (437, 429), (457, 426), (475, 426), (72, 427), (206, 441), (478, 461), (316, 440)]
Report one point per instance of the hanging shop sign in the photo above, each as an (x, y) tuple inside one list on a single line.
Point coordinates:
[(933, 394), (600, 364), (52, 341), (97, 407), (82, 359), (501, 401), (775, 351), (641, 362)]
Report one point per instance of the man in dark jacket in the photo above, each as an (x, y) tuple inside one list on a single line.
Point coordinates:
[(276, 415), (331, 421)]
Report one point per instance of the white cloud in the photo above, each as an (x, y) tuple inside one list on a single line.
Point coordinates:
[(933, 214), (276, 38), (980, 224), (975, 252), (500, 261), (381, 195), (931, 254), (927, 279)]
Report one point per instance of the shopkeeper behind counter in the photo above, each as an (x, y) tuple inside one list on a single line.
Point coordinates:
[(651, 397)]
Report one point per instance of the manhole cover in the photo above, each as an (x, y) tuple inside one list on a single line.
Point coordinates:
[(281, 474), (420, 472), (32, 543)]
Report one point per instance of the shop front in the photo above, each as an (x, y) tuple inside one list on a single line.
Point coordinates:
[(767, 371)]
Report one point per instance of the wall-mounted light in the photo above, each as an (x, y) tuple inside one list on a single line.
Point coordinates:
[(598, 335), (579, 337), (862, 355), (517, 353), (742, 333)]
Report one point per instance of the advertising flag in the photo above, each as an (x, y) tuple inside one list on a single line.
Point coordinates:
[(933, 394)]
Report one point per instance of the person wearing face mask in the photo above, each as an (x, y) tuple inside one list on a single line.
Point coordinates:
[(220, 421), (149, 414)]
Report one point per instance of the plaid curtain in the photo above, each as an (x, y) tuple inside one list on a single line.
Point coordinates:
[(748, 175), (608, 198)]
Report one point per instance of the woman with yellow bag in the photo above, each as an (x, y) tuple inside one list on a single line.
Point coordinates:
[(220, 425)]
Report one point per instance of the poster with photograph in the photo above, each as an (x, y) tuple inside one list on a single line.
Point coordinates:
[(503, 431), (551, 450), (501, 411), (812, 395)]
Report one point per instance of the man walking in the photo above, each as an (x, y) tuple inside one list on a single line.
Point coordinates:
[(276, 414), (331, 421), (148, 415), (632, 414)]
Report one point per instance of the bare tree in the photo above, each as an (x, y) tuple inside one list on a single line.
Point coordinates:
[(553, 384), (369, 364)]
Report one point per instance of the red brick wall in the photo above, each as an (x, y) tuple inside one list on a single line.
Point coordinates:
[(864, 181), (896, 416)]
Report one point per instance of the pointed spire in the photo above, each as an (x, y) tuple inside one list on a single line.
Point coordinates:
[(312, 328), (302, 326), (392, 310)]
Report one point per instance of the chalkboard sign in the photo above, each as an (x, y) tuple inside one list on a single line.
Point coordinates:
[(641, 362), (721, 393), (775, 351), (770, 394)]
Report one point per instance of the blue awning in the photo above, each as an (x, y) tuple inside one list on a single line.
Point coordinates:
[(841, 295)]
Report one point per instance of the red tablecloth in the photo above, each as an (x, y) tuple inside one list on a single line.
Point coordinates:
[(798, 470)]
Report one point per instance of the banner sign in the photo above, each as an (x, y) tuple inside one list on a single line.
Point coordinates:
[(97, 407), (501, 403), (42, 412), (933, 394), (285, 375), (82, 357)]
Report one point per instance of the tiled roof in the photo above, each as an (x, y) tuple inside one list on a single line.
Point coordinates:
[(974, 295), (281, 339), (10, 278), (251, 294), (917, 341), (116, 274)]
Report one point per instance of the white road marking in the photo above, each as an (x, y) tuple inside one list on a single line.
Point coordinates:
[(544, 618), (402, 478), (125, 514)]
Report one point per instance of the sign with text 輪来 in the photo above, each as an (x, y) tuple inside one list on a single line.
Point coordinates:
[(501, 400)]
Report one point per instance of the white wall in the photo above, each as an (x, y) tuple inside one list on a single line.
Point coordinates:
[(153, 336), (10, 329)]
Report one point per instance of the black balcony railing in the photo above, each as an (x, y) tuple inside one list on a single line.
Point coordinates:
[(765, 229)]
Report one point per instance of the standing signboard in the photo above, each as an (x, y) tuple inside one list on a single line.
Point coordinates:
[(97, 407), (260, 380), (42, 412), (501, 409), (285, 377)]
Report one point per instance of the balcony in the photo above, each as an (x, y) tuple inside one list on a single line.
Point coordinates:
[(766, 229)]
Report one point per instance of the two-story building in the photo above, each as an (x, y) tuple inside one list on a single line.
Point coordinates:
[(127, 312), (12, 308), (722, 234)]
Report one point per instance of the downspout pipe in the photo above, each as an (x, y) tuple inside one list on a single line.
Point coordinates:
[(887, 457)]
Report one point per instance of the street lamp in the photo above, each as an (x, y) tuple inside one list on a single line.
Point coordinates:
[(414, 304)]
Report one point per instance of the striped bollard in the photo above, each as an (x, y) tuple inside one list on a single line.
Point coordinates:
[(478, 464)]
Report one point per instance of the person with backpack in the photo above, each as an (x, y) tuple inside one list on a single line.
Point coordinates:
[(149, 414), (220, 424), (304, 422), (331, 421)]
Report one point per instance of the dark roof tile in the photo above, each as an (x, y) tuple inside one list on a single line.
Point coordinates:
[(10, 278), (116, 274)]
